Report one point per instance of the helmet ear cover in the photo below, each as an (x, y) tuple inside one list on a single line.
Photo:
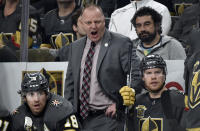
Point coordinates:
[(34, 82), (153, 61)]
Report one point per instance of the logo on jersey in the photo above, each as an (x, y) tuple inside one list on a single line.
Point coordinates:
[(56, 103), (194, 94), (5, 38), (140, 111), (179, 8), (151, 124), (61, 39), (28, 123)]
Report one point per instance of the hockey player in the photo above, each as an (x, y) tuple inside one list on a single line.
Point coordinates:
[(188, 21), (41, 110), (158, 109), (191, 75), (77, 25), (57, 25), (4, 120), (10, 24)]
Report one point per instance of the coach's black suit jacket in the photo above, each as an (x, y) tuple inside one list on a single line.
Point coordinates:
[(112, 67)]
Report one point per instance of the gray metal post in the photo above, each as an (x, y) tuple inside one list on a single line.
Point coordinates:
[(24, 31)]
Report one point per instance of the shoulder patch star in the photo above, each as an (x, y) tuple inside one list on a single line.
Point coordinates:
[(56, 103)]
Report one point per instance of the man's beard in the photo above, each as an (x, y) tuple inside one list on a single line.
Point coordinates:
[(158, 90), (146, 36)]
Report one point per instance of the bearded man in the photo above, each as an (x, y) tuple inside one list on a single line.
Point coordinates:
[(147, 23)]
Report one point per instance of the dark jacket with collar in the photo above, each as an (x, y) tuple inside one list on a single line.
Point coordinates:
[(111, 68), (162, 114), (54, 117)]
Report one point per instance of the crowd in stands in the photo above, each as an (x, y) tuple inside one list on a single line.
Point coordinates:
[(50, 26)]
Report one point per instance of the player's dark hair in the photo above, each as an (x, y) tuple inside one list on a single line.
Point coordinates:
[(75, 16), (148, 11)]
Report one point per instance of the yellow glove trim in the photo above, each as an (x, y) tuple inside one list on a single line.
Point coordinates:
[(45, 45), (186, 101), (1, 39), (70, 130), (17, 39), (193, 129)]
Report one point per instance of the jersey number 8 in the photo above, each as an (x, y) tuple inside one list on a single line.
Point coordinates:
[(72, 122)]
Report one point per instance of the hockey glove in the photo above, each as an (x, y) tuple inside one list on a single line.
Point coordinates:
[(128, 95)]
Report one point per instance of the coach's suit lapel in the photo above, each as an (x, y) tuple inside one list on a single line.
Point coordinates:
[(103, 49), (79, 52)]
